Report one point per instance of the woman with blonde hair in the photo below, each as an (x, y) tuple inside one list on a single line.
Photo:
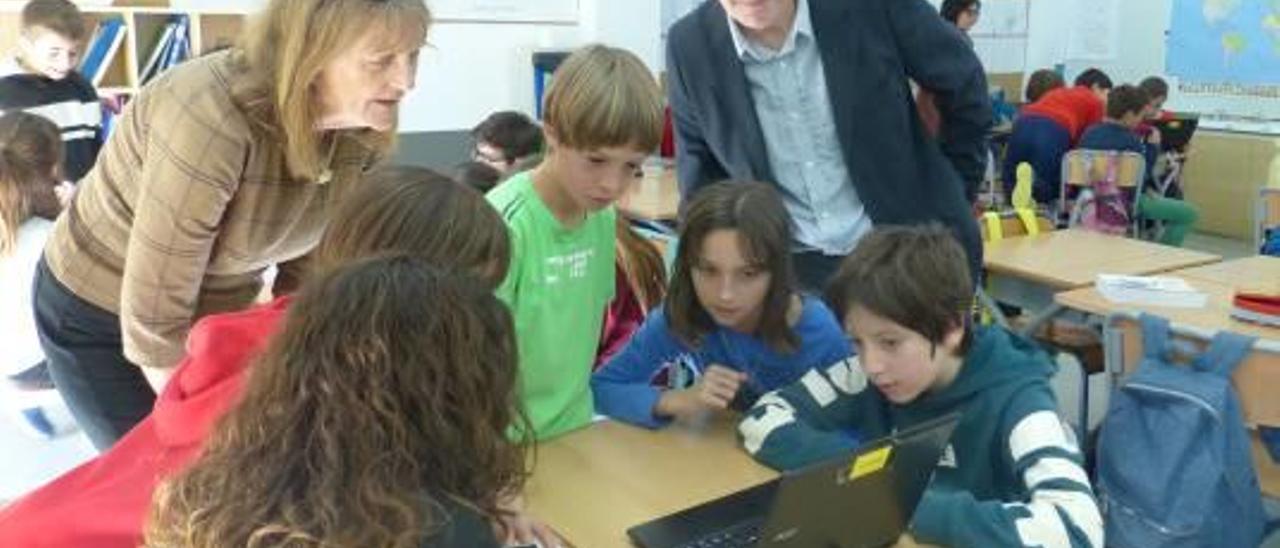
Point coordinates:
[(220, 168)]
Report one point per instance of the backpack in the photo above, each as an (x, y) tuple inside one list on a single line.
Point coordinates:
[(1174, 464), (1270, 242), (1103, 207)]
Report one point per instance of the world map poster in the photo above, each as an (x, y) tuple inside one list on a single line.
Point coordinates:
[(1234, 42)]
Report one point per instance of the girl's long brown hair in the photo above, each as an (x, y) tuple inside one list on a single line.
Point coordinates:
[(641, 264), (30, 153), (385, 399), (755, 210)]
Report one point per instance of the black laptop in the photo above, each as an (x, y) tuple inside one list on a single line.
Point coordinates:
[(1176, 133), (862, 499)]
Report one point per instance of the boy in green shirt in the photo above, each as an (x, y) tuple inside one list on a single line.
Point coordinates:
[(603, 116)]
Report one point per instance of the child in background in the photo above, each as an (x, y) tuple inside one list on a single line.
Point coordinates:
[(733, 325), (1127, 107), (103, 503), (1011, 475), (964, 14), (377, 417), (30, 158), (639, 283), (1049, 127), (41, 76), (603, 116), (1041, 82), (1157, 91), (505, 140), (478, 175)]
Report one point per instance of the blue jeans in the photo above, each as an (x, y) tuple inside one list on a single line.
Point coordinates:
[(1040, 142), (106, 393)]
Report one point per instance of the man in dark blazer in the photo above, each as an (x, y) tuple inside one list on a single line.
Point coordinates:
[(813, 96)]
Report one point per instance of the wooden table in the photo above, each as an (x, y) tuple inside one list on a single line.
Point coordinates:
[(1215, 316), (1027, 271), (1256, 273), (655, 198), (593, 484), (1067, 259)]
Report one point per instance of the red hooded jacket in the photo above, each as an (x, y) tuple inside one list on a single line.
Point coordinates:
[(104, 502)]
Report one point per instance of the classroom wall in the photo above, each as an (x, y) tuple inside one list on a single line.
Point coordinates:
[(1226, 168), (474, 68)]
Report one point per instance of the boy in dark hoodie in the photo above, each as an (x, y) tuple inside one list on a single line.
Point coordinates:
[(1012, 475)]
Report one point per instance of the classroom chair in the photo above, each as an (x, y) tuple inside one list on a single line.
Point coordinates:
[(1081, 168), (1255, 379), (1266, 214)]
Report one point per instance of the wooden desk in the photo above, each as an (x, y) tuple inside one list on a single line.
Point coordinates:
[(1258, 273), (1067, 259), (654, 198), (1256, 378), (593, 484), (1027, 271), (1215, 316), (1219, 281)]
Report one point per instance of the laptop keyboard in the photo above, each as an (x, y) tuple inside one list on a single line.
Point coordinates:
[(743, 535)]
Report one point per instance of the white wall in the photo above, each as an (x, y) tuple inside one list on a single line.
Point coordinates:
[(1140, 52), (472, 69)]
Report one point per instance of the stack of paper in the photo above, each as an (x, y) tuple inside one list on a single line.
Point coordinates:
[(1150, 290)]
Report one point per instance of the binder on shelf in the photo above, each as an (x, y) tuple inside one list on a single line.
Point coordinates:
[(171, 48), (107, 37)]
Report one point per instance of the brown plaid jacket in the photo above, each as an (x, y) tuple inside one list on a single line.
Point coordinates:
[(188, 204)]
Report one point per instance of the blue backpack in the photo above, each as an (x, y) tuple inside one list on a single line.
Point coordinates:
[(1271, 242), (1174, 465)]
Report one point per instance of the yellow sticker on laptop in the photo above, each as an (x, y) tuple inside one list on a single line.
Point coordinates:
[(868, 463)]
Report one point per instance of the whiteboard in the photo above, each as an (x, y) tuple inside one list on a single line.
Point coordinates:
[(523, 11)]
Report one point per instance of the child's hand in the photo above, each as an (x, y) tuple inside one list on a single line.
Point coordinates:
[(65, 191), (713, 391), (522, 528), (718, 386)]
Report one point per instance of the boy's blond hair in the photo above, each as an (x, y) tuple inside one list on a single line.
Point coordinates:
[(604, 97), (59, 16)]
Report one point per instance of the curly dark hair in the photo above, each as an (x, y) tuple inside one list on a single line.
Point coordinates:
[(385, 399)]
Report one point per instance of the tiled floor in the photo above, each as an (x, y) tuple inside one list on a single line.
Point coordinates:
[(27, 462)]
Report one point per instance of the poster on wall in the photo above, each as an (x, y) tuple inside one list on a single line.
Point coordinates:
[(1002, 19), (1093, 31), (524, 11), (1225, 42)]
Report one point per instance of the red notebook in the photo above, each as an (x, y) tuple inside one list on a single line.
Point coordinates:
[(1257, 307)]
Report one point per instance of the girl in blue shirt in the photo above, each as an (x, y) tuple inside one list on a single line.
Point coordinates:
[(732, 325)]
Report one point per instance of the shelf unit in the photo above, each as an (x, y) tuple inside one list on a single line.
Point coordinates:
[(144, 21)]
